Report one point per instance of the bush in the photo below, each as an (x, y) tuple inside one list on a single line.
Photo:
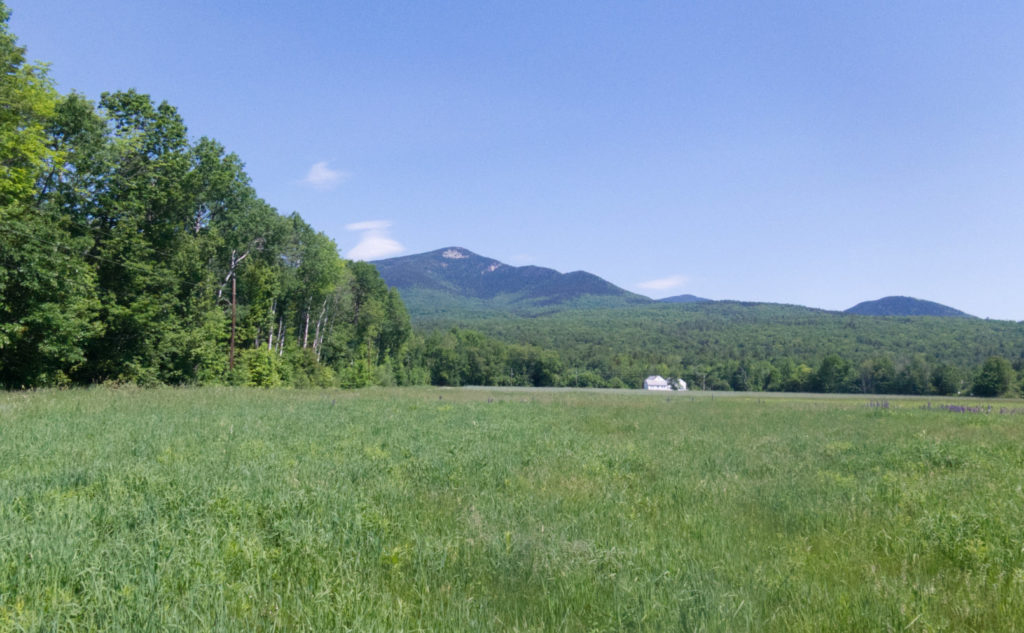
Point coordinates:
[(262, 368)]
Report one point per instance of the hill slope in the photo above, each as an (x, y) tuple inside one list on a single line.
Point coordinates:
[(905, 306)]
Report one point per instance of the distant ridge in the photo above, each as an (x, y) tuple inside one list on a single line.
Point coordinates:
[(455, 282), (455, 278), (905, 306), (683, 299)]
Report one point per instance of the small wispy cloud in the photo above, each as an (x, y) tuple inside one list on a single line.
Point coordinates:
[(321, 176), (665, 283), (369, 225), (375, 242)]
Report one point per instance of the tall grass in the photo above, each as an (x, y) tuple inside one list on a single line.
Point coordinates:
[(469, 510)]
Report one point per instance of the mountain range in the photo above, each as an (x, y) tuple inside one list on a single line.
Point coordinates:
[(457, 280)]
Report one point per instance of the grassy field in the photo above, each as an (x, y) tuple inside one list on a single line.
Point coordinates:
[(486, 510)]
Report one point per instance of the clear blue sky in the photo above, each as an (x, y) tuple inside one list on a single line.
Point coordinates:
[(818, 153)]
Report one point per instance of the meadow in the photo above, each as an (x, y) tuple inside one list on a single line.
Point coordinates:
[(431, 509)]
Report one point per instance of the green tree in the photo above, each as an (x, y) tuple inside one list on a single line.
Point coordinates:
[(27, 103), (995, 378), (139, 246), (876, 375), (831, 375), (915, 377), (947, 380)]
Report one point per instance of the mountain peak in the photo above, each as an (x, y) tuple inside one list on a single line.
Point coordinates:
[(459, 273), (456, 253)]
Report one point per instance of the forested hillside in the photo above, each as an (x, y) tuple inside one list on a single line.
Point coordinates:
[(747, 346), (130, 252)]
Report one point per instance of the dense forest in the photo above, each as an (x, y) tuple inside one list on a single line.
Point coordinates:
[(726, 345), (573, 351), (132, 253)]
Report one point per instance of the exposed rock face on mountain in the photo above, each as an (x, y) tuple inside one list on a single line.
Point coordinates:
[(905, 306)]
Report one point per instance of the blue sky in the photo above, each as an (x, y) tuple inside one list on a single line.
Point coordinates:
[(817, 153)]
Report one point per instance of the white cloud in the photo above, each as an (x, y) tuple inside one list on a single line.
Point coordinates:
[(375, 242), (664, 283), (369, 225), (321, 176)]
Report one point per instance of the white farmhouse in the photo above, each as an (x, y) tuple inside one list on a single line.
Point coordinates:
[(657, 383)]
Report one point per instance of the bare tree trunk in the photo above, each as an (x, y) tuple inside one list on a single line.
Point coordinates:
[(327, 329), (323, 333), (305, 335), (270, 335), (231, 353), (316, 332)]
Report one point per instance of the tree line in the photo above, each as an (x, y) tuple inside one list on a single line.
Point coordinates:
[(764, 347), (132, 253), (469, 357)]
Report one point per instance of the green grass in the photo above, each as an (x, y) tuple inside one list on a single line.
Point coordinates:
[(504, 510)]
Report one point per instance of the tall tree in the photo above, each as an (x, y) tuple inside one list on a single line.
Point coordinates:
[(137, 229)]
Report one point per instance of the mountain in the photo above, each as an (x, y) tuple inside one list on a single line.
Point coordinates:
[(454, 284), (905, 306), (683, 299), (455, 279)]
